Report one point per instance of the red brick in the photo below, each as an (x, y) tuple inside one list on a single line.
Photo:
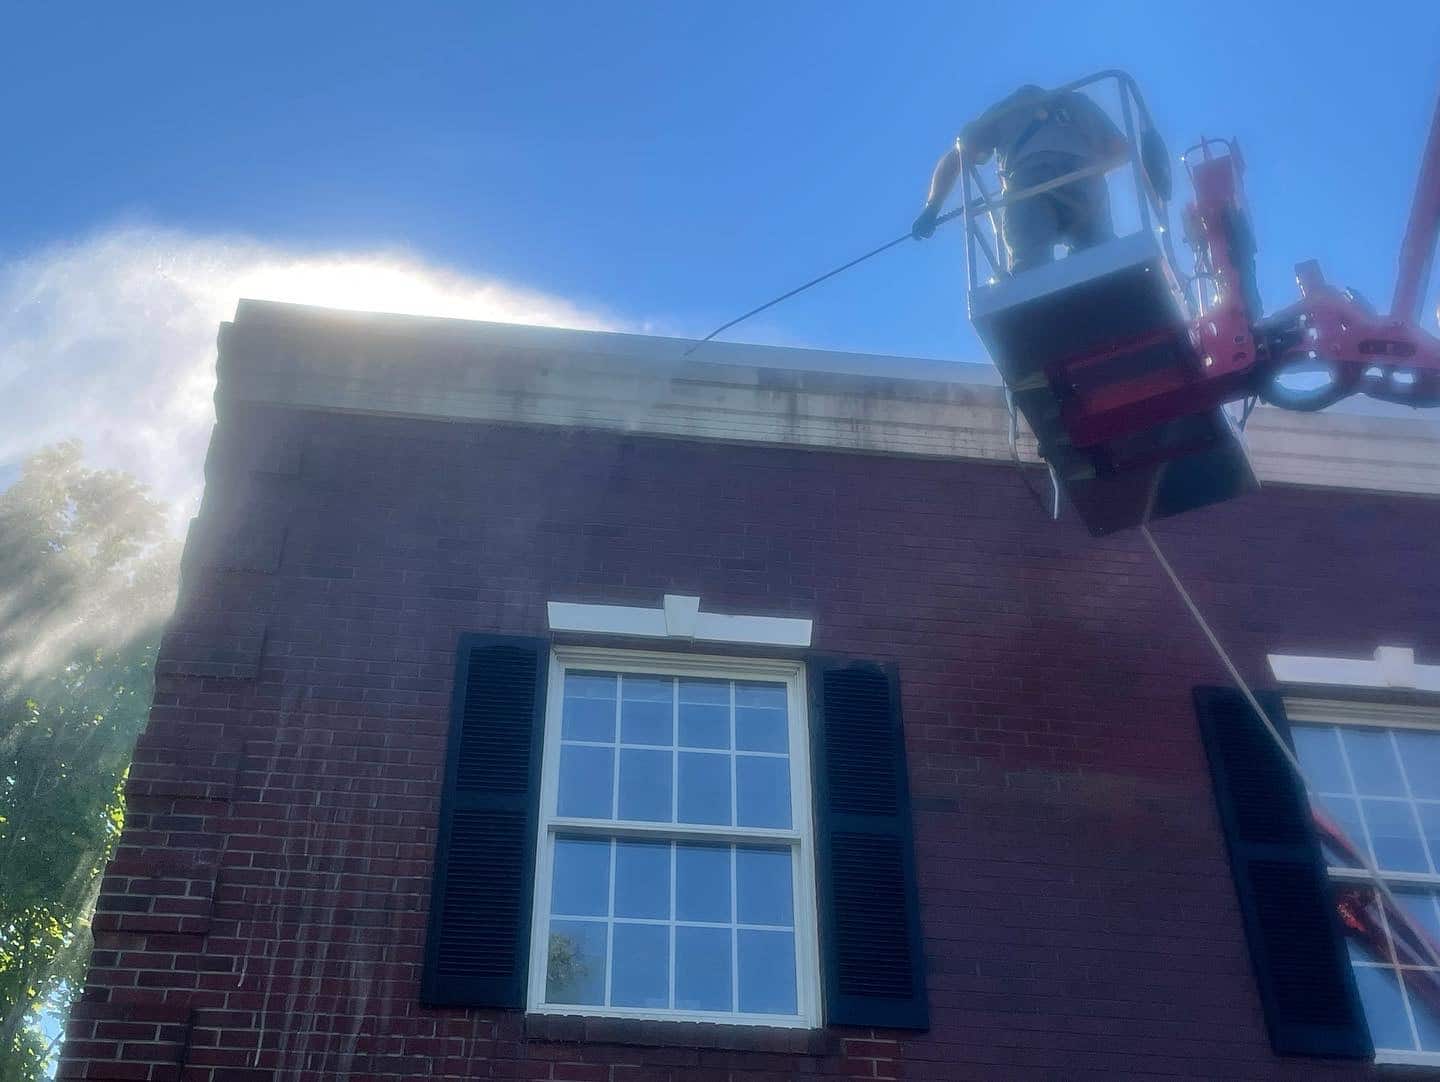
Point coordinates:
[(1079, 917)]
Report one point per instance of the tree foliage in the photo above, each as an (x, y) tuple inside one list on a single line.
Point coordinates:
[(86, 580)]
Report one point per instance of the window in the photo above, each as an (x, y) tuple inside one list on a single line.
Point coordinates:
[(668, 844), (675, 864), (1376, 790)]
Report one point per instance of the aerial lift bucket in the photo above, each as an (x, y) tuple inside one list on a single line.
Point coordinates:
[(1097, 350)]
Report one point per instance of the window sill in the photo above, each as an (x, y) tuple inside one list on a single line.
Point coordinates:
[(1407, 1059), (668, 1034)]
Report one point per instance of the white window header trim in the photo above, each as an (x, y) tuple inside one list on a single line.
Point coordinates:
[(679, 617), (1391, 667)]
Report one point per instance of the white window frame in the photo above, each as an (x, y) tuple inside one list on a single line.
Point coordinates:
[(800, 838), (1351, 714)]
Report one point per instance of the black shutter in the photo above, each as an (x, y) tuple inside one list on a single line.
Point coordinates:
[(872, 955), (478, 947), (1306, 986)]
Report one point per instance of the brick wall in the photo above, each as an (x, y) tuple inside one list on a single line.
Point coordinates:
[(264, 915)]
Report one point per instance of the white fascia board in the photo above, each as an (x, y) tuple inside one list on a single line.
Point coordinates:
[(1392, 667), (679, 618)]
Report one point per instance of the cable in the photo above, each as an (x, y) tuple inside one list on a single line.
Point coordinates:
[(1012, 435), (1053, 509), (1249, 408), (816, 281), (1370, 868)]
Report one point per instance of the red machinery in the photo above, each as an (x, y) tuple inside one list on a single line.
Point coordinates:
[(1122, 365)]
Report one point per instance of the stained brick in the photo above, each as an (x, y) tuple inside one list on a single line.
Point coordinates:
[(274, 874)]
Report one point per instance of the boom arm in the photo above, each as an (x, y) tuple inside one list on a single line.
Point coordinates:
[(1417, 251), (1361, 352)]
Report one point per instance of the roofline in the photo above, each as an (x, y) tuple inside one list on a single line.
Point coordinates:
[(642, 348)]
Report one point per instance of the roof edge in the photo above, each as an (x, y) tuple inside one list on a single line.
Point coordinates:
[(464, 370)]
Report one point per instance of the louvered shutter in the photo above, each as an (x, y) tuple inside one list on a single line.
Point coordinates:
[(477, 951), (1306, 987), (871, 949)]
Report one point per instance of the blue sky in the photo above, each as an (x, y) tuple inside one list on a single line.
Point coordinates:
[(669, 165)]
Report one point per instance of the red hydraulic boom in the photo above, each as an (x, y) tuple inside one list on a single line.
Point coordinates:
[(1122, 365)]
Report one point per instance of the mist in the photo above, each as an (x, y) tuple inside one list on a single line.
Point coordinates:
[(111, 339)]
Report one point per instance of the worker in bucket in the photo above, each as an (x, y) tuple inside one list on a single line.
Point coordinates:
[(1036, 135)]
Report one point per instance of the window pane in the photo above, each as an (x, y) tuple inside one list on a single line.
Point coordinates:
[(702, 883), (575, 972), (1372, 762), (712, 692), (760, 718), (1384, 1010), (704, 713), (1319, 752), (1420, 754), (704, 788), (646, 710), (581, 886), (1430, 824), (767, 972), (586, 779), (590, 685), (641, 957), (759, 696), (702, 969), (642, 879), (1341, 814), (763, 890), (762, 787), (589, 707), (1394, 837), (645, 785), (1420, 909), (1423, 987)]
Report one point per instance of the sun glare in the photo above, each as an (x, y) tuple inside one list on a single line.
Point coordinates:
[(381, 285)]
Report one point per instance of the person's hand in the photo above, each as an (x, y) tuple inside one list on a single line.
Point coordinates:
[(924, 225)]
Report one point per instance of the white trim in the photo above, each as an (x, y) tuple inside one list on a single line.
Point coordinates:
[(668, 664), (607, 619), (678, 618), (1363, 875), (800, 837), (1349, 712), (1418, 1059), (1391, 667), (1122, 253), (682, 615), (771, 1021)]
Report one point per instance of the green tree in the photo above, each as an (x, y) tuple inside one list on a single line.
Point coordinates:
[(87, 578)]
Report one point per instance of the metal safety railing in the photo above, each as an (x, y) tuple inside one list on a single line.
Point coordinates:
[(982, 204), (1203, 284)]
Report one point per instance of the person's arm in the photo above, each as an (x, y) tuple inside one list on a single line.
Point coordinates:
[(978, 140), (942, 183)]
